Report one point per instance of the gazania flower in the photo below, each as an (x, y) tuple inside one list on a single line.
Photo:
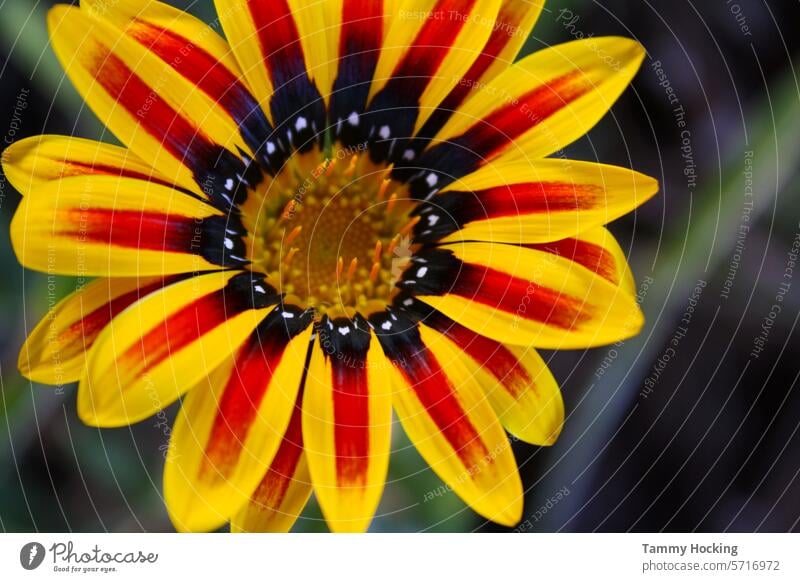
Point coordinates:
[(345, 208)]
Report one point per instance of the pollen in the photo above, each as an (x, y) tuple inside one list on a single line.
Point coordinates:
[(332, 232)]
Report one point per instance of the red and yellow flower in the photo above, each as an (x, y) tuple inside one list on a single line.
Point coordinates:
[(345, 208)]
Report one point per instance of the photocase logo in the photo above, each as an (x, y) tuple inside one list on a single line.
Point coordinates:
[(31, 555)]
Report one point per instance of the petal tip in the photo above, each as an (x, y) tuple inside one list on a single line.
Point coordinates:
[(100, 414), (57, 13), (24, 362), (11, 160), (89, 414), (510, 515), (186, 518), (646, 187), (552, 438)]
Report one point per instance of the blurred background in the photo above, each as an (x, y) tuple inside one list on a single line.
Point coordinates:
[(691, 426)]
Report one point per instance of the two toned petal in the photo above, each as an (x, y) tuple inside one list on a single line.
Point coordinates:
[(516, 380), (359, 35), (523, 296), (285, 488), (55, 351), (106, 226), (228, 433), (273, 41), (596, 250), (536, 107), (33, 161), (347, 416), (445, 414), (429, 46), (149, 106), (197, 54), (510, 31), (163, 345), (526, 202)]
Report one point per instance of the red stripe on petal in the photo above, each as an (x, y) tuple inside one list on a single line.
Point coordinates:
[(197, 66), (403, 346), (298, 109), (490, 136), (179, 330), (272, 488), (437, 395), (505, 29), (359, 48), (594, 257), (527, 299), (362, 31), (501, 127), (93, 322), (538, 197), (76, 168), (498, 40), (239, 404), (460, 208), (144, 230), (431, 45), (351, 418), (496, 358), (279, 39), (176, 134), (517, 200)]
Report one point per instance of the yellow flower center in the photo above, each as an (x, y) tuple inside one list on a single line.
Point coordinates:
[(332, 232)]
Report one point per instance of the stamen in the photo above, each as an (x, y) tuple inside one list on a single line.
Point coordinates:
[(288, 210), (382, 190), (293, 235), (406, 230), (318, 205), (290, 255), (351, 169), (373, 273), (393, 245), (330, 167), (392, 202), (351, 270)]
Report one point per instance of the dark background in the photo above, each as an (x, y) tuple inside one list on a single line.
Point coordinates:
[(702, 437)]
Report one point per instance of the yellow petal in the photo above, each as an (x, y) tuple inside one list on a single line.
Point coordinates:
[(55, 351), (598, 251), (443, 411), (147, 104), (274, 42), (347, 415), (199, 56), (31, 162), (523, 202), (516, 380), (284, 491), (536, 107), (430, 44), (108, 226), (523, 296), (228, 433), (160, 347), (512, 28), (561, 91)]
